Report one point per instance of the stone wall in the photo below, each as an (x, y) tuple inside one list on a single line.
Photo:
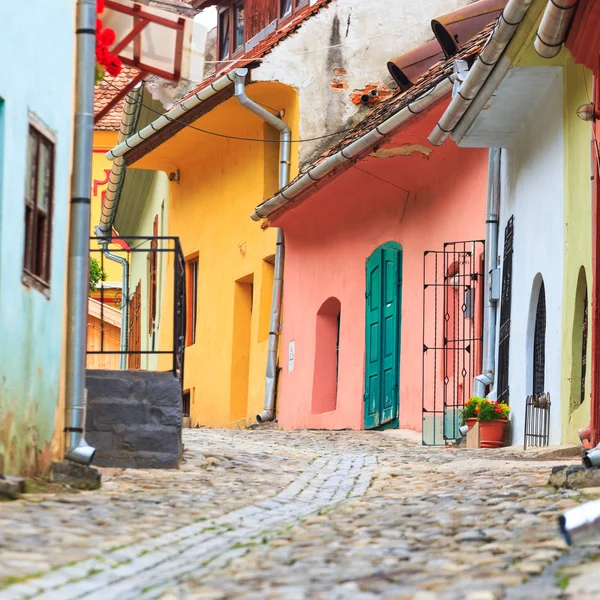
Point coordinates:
[(134, 419)]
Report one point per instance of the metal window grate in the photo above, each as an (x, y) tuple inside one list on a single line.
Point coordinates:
[(537, 420), (505, 307), (584, 335), (453, 286), (539, 343)]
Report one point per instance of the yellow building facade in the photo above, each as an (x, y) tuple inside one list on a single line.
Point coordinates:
[(216, 182), (101, 167)]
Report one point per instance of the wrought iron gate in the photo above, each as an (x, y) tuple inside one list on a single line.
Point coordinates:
[(505, 308), (453, 286)]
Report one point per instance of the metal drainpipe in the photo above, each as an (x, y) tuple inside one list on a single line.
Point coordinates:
[(76, 448), (491, 268), (124, 301), (285, 150)]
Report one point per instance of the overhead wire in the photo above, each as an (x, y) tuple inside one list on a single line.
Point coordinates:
[(233, 137)]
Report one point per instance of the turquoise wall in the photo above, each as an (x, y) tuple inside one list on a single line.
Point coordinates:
[(36, 76)]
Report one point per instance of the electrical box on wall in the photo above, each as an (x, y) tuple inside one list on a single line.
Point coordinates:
[(494, 283)]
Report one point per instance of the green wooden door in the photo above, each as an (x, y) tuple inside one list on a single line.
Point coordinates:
[(383, 302)]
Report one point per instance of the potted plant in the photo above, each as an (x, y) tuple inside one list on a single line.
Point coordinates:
[(493, 418), (468, 414)]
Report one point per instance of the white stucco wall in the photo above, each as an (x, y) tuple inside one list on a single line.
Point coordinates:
[(532, 191), (367, 33)]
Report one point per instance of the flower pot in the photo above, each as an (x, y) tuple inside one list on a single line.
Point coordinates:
[(471, 423), (492, 433), (584, 433)]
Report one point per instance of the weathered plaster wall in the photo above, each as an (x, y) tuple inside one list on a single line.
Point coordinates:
[(417, 201), (344, 47), (31, 326), (532, 190), (222, 180)]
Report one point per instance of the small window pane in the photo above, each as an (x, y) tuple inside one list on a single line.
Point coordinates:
[(224, 35), (238, 23), (285, 8), (32, 144), (45, 179)]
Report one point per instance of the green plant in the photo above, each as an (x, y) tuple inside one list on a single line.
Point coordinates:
[(483, 409), (97, 274), (468, 412), (488, 410)]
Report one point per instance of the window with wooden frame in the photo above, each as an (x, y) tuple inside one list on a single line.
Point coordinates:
[(152, 277), (290, 8), (231, 30), (192, 299), (39, 196)]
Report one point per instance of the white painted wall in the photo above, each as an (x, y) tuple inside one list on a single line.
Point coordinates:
[(369, 33), (532, 191)]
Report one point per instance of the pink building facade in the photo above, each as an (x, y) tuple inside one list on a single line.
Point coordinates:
[(355, 315)]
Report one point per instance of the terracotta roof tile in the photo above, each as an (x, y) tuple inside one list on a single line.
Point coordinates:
[(389, 107), (262, 48), (105, 91)]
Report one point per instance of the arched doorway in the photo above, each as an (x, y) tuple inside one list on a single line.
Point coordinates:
[(383, 321)]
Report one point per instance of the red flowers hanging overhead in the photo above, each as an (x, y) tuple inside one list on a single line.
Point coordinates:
[(105, 61)]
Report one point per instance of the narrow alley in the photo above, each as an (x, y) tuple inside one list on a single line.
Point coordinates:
[(297, 515)]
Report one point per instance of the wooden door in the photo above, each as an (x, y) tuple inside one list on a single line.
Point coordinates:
[(383, 316), (135, 328)]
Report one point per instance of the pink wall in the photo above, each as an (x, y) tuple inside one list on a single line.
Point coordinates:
[(329, 237)]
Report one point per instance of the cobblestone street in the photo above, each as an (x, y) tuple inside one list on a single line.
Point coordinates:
[(299, 515)]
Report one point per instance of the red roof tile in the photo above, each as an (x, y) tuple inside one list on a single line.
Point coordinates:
[(262, 48), (389, 107), (105, 91)]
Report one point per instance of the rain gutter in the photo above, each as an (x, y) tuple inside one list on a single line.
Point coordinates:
[(285, 152), (482, 68), (175, 113), (131, 111), (353, 150), (552, 31)]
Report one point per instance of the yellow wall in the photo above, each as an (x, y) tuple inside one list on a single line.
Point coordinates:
[(577, 88), (103, 141), (221, 181)]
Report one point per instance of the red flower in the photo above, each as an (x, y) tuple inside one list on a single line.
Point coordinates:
[(114, 66), (108, 37), (99, 27), (101, 53), (99, 6), (477, 410), (499, 409)]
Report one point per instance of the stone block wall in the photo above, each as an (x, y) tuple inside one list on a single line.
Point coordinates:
[(134, 419)]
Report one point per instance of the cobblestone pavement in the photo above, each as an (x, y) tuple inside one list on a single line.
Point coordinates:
[(266, 514)]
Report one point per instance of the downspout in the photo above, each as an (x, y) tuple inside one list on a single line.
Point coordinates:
[(76, 448), (491, 295), (285, 151), (131, 111), (124, 301), (553, 28)]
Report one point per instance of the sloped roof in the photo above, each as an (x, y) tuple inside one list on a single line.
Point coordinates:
[(262, 48), (105, 91), (388, 108)]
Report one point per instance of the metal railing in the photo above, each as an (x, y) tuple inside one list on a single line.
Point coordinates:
[(155, 264)]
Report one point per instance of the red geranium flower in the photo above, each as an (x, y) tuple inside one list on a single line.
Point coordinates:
[(108, 37), (99, 6)]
